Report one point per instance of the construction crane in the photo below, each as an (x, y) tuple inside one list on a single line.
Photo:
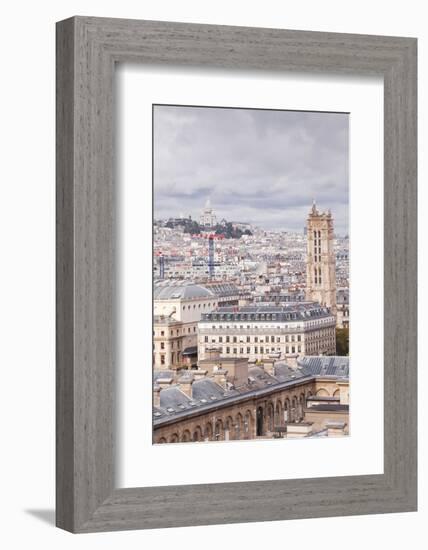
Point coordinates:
[(211, 256), (211, 262), (161, 262)]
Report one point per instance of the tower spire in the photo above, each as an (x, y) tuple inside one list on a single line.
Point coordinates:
[(314, 207), (321, 260)]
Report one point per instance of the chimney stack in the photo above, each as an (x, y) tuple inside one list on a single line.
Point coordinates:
[(269, 365), (199, 374), (185, 383), (292, 361), (164, 382), (220, 377), (156, 395)]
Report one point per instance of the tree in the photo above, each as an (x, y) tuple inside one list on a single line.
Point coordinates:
[(342, 341)]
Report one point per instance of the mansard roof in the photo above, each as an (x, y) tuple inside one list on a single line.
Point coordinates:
[(267, 312)]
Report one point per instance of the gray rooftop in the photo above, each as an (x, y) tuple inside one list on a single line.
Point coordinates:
[(325, 366), (268, 312), (223, 289), (342, 296), (185, 290), (208, 394)]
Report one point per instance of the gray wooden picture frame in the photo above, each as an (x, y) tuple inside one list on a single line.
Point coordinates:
[(87, 51)]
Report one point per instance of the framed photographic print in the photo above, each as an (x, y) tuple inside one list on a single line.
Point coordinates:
[(236, 274)]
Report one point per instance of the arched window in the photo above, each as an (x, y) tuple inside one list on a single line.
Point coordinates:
[(208, 435), (228, 428), (293, 409), (278, 414), (238, 426), (260, 421), (219, 435), (197, 434), (287, 410), (186, 436), (248, 424)]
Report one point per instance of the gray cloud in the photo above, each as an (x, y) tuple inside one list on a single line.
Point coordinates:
[(263, 167)]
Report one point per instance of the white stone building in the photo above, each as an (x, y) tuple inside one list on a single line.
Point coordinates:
[(264, 330), (177, 308)]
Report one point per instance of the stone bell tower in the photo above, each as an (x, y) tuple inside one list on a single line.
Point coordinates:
[(321, 259)]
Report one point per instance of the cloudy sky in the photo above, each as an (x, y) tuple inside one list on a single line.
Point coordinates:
[(263, 167)]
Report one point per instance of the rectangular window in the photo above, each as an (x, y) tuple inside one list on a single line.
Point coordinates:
[(220, 339), (227, 350), (206, 339), (235, 351), (227, 339), (261, 349), (256, 338), (162, 345), (256, 349), (248, 351), (248, 338), (234, 339), (241, 350), (162, 359)]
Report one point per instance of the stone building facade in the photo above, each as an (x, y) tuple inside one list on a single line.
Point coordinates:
[(343, 308), (258, 415), (263, 330), (265, 402), (177, 309)]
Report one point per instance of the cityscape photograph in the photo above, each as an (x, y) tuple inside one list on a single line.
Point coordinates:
[(251, 312)]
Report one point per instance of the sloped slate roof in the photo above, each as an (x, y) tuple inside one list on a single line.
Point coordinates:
[(181, 291), (325, 366), (206, 393)]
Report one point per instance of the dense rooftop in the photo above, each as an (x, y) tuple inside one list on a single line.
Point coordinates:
[(267, 312), (207, 394)]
